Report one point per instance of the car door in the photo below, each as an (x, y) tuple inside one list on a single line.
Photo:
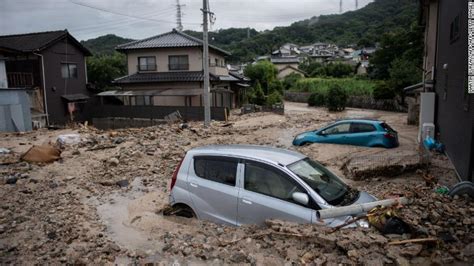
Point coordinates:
[(212, 188), (336, 134), (266, 194), (362, 134)]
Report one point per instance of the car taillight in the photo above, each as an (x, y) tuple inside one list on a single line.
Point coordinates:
[(175, 174), (389, 136)]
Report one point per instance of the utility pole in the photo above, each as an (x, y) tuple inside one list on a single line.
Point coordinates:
[(340, 6), (179, 15), (357, 4), (205, 63)]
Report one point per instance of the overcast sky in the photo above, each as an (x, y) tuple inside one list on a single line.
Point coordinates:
[(157, 16)]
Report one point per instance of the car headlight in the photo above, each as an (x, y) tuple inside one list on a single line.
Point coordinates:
[(362, 223), (299, 137)]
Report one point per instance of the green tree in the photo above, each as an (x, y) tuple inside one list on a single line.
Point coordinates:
[(274, 98), (263, 72), (401, 44), (339, 70), (289, 81), (257, 96), (403, 73), (336, 99), (276, 85), (103, 69)]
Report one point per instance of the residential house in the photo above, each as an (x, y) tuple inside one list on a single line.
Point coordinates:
[(51, 66), (167, 70), (287, 50), (15, 114), (444, 98), (287, 65)]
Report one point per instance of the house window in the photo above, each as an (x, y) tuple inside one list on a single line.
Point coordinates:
[(147, 63), (178, 62), (68, 70), (454, 32)]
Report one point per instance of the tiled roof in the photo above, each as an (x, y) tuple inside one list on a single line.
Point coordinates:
[(187, 76), (282, 60), (37, 41), (167, 40)]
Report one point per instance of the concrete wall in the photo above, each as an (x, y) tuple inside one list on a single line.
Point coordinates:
[(431, 14), (281, 66), (161, 55), (14, 111), (287, 72)]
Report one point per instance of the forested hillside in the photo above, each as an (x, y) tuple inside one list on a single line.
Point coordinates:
[(364, 27), (104, 44)]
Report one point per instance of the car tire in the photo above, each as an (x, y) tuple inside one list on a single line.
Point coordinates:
[(182, 210), (461, 188)]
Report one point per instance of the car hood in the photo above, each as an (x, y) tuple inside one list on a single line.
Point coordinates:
[(307, 133), (364, 197)]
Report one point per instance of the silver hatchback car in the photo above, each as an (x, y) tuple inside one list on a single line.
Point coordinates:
[(245, 184)]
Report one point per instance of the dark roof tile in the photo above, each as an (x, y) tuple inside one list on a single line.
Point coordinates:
[(167, 40), (188, 76), (31, 42)]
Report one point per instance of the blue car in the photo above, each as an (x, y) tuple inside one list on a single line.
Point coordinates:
[(360, 132)]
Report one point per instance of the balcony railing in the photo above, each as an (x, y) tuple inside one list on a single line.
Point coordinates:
[(146, 67), (20, 79), (178, 66)]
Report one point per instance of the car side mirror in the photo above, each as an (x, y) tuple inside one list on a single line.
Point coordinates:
[(322, 133), (301, 198)]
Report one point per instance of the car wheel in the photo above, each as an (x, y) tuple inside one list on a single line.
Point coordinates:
[(182, 210)]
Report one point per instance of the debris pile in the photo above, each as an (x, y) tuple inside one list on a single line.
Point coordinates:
[(50, 212)]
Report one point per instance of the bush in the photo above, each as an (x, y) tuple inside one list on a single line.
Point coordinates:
[(257, 96), (352, 86), (383, 91), (317, 99), (274, 98), (336, 99), (275, 85), (289, 81)]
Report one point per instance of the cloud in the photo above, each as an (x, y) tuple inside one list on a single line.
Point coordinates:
[(21, 16)]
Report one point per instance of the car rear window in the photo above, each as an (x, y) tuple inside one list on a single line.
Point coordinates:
[(362, 127), (387, 127), (218, 169)]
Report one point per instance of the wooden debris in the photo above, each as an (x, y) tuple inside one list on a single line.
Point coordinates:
[(415, 240)]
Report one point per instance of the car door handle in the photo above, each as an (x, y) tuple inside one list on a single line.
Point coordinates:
[(246, 201), (193, 184)]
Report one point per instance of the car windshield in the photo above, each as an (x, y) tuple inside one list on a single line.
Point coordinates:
[(323, 182)]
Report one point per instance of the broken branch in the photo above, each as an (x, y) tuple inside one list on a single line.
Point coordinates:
[(416, 240)]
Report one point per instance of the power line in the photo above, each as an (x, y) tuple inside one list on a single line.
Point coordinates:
[(115, 22), (126, 15)]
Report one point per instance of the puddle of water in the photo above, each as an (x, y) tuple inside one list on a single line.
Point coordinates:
[(133, 221), (116, 216)]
